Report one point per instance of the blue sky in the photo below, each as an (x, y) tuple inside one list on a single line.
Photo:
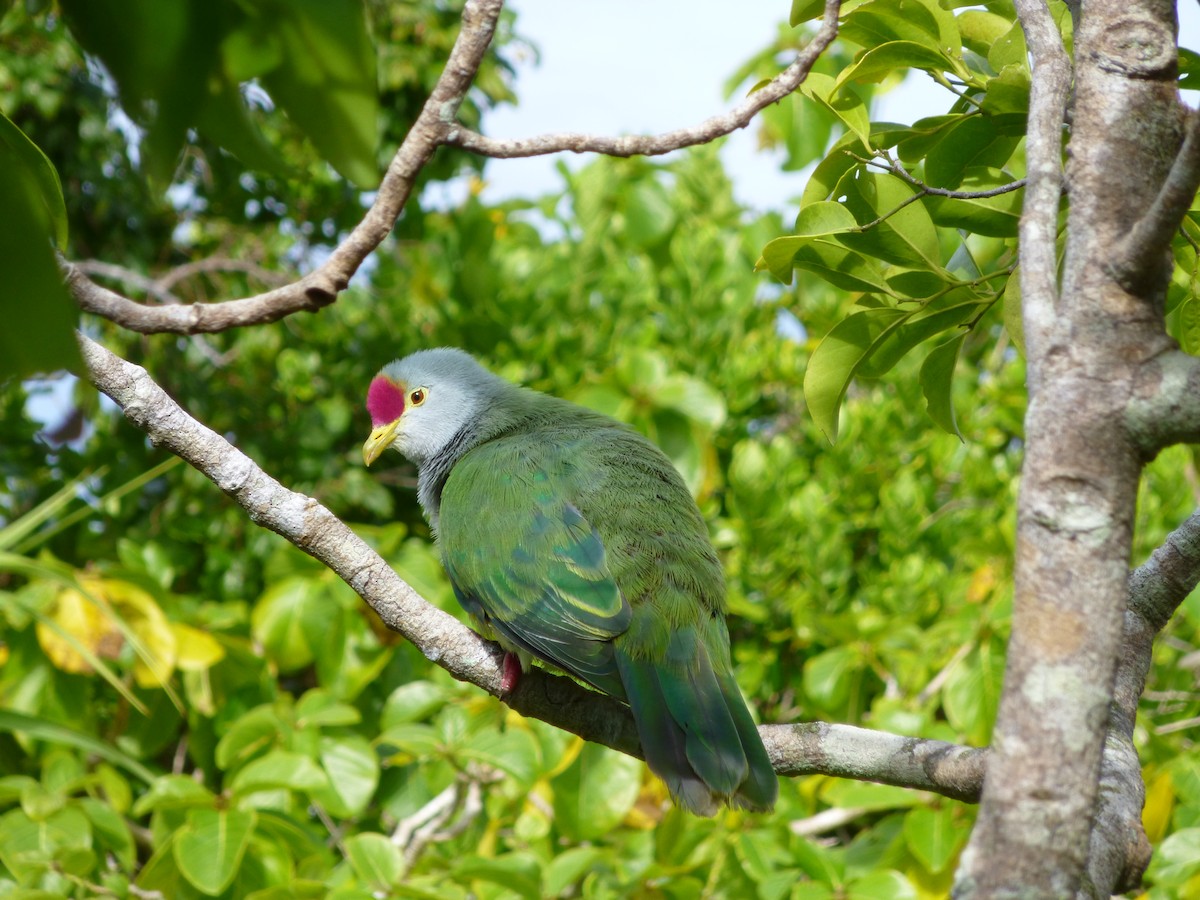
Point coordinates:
[(640, 66)]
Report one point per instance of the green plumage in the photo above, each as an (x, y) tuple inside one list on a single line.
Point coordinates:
[(571, 538)]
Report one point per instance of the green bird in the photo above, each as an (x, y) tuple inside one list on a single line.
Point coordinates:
[(570, 538)]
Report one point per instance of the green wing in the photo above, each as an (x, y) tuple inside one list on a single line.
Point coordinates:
[(525, 561)]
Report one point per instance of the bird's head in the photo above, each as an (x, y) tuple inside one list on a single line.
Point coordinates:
[(418, 404)]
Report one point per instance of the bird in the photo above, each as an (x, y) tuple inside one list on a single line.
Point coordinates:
[(570, 538)]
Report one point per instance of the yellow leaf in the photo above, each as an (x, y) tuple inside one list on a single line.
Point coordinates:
[(195, 650), (1160, 804), (156, 650), (78, 618)]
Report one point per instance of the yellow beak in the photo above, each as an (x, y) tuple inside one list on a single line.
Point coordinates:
[(381, 438)]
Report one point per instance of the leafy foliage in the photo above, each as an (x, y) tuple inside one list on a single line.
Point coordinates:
[(189, 705)]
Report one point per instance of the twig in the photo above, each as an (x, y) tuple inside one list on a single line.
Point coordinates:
[(1039, 220), (651, 145), (1140, 254), (320, 287), (894, 167), (826, 820)]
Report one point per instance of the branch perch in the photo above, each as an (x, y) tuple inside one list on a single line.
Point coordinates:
[(805, 749)]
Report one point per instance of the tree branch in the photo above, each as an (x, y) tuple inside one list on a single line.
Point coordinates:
[(653, 145), (1119, 851), (320, 287), (1165, 407), (1039, 217), (1142, 254), (805, 749)]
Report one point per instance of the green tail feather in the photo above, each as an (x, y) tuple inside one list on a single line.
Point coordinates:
[(696, 732)]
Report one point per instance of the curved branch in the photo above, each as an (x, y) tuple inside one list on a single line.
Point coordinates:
[(320, 287), (1039, 217), (653, 145), (809, 748), (1120, 851), (1142, 252)]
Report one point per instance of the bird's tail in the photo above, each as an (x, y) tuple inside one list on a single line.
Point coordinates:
[(695, 729)]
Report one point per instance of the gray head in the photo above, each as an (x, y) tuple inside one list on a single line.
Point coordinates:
[(420, 403)]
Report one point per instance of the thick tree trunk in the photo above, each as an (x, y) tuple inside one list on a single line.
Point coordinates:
[(1091, 341)]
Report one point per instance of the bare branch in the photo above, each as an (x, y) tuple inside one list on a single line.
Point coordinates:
[(884, 161), (1120, 851), (652, 145), (810, 748), (152, 286), (860, 753), (1165, 406), (1039, 219), (320, 287), (1143, 254)]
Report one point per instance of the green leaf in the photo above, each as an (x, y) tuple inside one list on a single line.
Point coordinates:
[(41, 729), (972, 142), (566, 869), (1189, 326), (847, 105), (843, 268), (23, 155), (289, 619), (596, 792), (836, 359), (693, 398), (1008, 92), (998, 216), (518, 872), (279, 769), (318, 708), (38, 313), (937, 377), (1011, 309), (163, 57), (972, 694), (28, 845), (413, 701), (803, 10), (906, 237), (326, 82), (514, 751), (376, 861), (828, 675), (852, 794), (209, 847), (932, 837), (173, 792), (649, 214), (413, 738), (251, 733), (815, 220), (897, 57), (1009, 49), (1176, 859), (110, 828), (981, 29), (885, 21), (353, 770), (920, 326), (887, 885)]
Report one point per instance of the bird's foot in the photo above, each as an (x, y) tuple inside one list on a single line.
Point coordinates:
[(512, 674)]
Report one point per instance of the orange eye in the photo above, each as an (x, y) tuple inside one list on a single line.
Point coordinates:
[(417, 397)]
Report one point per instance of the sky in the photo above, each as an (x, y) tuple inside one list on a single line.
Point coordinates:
[(645, 66)]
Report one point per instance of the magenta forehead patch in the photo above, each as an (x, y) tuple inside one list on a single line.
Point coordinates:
[(385, 400)]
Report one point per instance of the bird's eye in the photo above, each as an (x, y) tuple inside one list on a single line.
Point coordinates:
[(417, 397)]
